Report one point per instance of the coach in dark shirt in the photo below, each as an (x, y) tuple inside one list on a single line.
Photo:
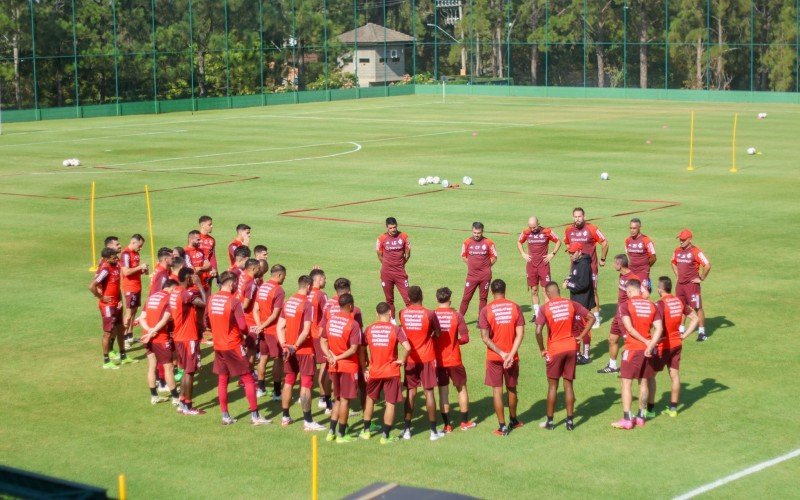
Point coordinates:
[(581, 288)]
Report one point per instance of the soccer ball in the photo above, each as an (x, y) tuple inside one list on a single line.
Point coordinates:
[(751, 151), (436, 180), (604, 176), (445, 183), (66, 163), (761, 116), (429, 179), (467, 180), (422, 181), (76, 162)]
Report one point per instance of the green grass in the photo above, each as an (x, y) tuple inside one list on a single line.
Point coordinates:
[(63, 415)]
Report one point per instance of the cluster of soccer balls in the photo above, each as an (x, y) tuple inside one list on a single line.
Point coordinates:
[(71, 162), (761, 116), (467, 180)]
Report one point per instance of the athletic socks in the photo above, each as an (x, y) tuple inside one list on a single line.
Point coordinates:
[(626, 415), (513, 421), (549, 420), (262, 385), (333, 426), (597, 317), (254, 415), (641, 414), (122, 355), (701, 330), (153, 391), (342, 429), (673, 406), (407, 425), (535, 310), (286, 412), (328, 402), (651, 407), (367, 424), (386, 430), (276, 388), (464, 416), (307, 416), (433, 426), (446, 418), (586, 350), (612, 363), (174, 392), (106, 359)]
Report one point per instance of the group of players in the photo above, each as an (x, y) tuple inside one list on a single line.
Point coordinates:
[(313, 339)]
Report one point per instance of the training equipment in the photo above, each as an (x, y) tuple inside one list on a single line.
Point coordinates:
[(65, 163), (429, 179), (761, 116), (445, 183), (436, 180), (604, 176), (467, 180), (751, 151), (421, 181)]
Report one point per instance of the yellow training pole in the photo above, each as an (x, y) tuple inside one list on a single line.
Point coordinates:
[(733, 145), (150, 226), (314, 492), (93, 267), (691, 144), (123, 494)]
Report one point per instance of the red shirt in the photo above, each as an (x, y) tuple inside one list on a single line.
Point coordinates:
[(232, 249), (296, 311), (208, 244), (318, 301), (270, 296), (382, 339), (154, 309), (393, 250), (671, 309), (130, 258), (538, 242), (332, 307), (478, 255), (639, 251), (160, 275), (454, 333), (501, 317), (642, 313), (688, 260), (342, 332), (588, 236), (195, 257), (559, 315), (419, 324), (246, 289), (184, 314), (226, 318), (107, 275), (622, 292)]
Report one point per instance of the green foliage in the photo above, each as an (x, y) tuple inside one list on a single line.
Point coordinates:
[(337, 80)]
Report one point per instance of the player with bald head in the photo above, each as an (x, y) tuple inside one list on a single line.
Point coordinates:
[(537, 257)]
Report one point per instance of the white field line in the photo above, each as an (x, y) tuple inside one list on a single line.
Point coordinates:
[(738, 475), (92, 138)]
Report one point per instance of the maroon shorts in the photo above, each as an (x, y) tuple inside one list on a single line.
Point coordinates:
[(271, 346), (458, 374), (232, 363), (562, 365), (133, 299), (537, 274), (251, 341), (188, 356), (345, 385), (671, 358), (689, 293), (656, 364), (301, 364), (616, 326), (391, 388), (496, 374), (421, 374), (112, 316), (319, 356), (162, 350), (634, 365)]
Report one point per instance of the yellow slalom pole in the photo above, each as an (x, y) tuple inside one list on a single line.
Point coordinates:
[(93, 267), (691, 144), (314, 468), (150, 226), (733, 145), (123, 494)]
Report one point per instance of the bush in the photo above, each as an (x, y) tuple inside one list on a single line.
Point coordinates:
[(336, 80)]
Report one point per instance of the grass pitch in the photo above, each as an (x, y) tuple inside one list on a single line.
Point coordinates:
[(339, 169)]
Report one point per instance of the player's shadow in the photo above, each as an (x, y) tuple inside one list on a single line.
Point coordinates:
[(595, 405), (607, 312), (691, 395), (717, 323)]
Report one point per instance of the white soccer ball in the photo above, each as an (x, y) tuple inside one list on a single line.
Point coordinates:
[(422, 181), (429, 179), (751, 151), (445, 183), (66, 163), (761, 116), (436, 179), (604, 176), (76, 162), (467, 180)]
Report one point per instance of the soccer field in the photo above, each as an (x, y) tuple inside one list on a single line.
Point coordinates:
[(315, 182)]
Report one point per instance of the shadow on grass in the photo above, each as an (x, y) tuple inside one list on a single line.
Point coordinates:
[(692, 394), (717, 323)]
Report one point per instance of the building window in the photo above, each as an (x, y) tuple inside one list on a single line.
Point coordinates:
[(363, 60)]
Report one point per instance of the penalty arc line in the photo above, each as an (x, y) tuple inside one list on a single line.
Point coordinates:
[(738, 475)]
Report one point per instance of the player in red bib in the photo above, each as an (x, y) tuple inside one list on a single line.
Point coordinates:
[(691, 267), (246, 290), (319, 300), (269, 305), (208, 244), (242, 239), (225, 315), (562, 347), (449, 367), (342, 287), (502, 330), (341, 342), (393, 251), (672, 311), (294, 337), (158, 344), (106, 287), (479, 254), (186, 298), (639, 318), (131, 270), (161, 271), (625, 274), (641, 252), (589, 236), (537, 257), (421, 327), (383, 375)]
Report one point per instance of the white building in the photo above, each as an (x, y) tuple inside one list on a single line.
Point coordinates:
[(379, 54)]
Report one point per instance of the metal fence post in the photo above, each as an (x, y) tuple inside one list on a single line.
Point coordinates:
[(75, 63), (36, 111)]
